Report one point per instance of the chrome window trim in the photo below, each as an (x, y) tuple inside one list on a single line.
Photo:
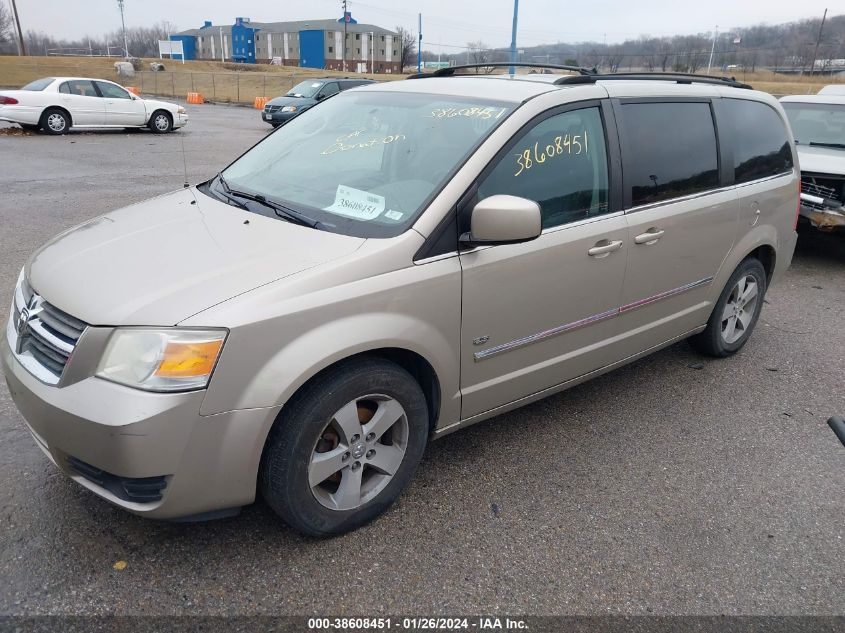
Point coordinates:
[(692, 196), (574, 325), (791, 172)]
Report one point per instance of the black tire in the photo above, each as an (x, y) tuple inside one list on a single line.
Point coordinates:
[(305, 422), (161, 122), (55, 121), (714, 341)]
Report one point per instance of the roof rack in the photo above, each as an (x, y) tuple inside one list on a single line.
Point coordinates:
[(681, 78), (450, 70)]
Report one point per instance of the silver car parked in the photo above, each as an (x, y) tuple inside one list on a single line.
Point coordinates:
[(407, 259)]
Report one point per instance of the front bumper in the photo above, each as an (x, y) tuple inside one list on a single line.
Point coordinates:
[(180, 120), (208, 462), (277, 118)]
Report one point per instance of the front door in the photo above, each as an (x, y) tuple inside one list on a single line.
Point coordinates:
[(121, 108), (681, 222), (539, 313)]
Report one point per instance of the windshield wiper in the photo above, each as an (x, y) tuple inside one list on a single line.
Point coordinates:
[(281, 210), (834, 145)]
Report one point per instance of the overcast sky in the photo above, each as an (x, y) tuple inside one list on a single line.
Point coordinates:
[(446, 23)]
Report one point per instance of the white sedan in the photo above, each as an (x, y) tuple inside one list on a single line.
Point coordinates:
[(56, 104)]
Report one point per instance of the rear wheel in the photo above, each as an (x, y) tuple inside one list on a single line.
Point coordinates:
[(345, 448), (55, 121), (161, 122), (735, 313)]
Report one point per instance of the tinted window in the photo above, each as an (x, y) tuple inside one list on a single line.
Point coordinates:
[(329, 89), (38, 84), (561, 163), (110, 91), (669, 150), (760, 142)]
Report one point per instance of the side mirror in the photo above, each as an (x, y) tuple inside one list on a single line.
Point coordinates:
[(319, 96), (503, 220)]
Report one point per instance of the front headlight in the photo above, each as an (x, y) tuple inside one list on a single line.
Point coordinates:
[(289, 109), (180, 110), (167, 359)]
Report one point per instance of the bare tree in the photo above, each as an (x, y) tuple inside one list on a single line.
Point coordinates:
[(408, 43), (6, 30), (480, 53)]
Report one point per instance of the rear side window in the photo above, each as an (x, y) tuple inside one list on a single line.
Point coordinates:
[(760, 142), (82, 88), (669, 150)]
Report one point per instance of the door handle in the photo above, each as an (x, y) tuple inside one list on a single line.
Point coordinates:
[(649, 237), (604, 248)]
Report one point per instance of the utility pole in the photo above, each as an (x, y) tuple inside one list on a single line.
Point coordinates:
[(419, 45), (712, 48), (512, 70), (222, 48), (345, 20), (21, 45), (123, 23), (818, 40)]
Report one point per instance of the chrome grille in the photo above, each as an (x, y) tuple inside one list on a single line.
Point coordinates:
[(42, 336), (272, 108)]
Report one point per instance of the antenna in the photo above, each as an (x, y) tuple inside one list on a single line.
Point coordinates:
[(184, 161)]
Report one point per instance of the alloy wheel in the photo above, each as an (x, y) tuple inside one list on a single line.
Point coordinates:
[(739, 309), (358, 452)]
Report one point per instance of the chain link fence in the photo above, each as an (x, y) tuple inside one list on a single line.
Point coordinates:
[(215, 87)]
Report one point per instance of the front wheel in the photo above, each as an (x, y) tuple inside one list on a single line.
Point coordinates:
[(344, 449), (735, 313), (161, 122)]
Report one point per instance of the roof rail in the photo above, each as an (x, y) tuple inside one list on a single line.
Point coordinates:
[(681, 78), (450, 70)]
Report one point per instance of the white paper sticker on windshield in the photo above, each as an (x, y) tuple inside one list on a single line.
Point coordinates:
[(394, 215), (357, 204), (316, 85)]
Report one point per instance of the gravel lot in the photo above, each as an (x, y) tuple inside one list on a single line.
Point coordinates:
[(677, 485)]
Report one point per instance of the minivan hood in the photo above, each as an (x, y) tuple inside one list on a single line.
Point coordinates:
[(286, 100), (160, 261), (821, 160)]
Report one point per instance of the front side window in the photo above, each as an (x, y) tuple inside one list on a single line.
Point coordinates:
[(760, 142), (366, 163), (110, 91), (820, 124), (329, 89), (669, 150), (560, 163)]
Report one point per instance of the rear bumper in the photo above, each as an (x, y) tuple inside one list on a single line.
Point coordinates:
[(208, 463), (20, 114)]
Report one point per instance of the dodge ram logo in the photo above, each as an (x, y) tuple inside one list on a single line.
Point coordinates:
[(23, 319)]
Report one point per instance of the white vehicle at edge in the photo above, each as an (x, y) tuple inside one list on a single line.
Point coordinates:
[(56, 104)]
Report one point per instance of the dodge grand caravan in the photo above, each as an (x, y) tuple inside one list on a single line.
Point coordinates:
[(403, 261)]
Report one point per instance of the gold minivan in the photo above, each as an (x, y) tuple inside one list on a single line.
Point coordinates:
[(401, 261)]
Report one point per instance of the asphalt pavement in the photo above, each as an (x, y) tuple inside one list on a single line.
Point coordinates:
[(676, 485)]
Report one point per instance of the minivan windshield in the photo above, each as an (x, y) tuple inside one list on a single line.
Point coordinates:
[(820, 124), (305, 89), (364, 163)]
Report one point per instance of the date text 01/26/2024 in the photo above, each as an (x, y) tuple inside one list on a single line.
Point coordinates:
[(417, 624)]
